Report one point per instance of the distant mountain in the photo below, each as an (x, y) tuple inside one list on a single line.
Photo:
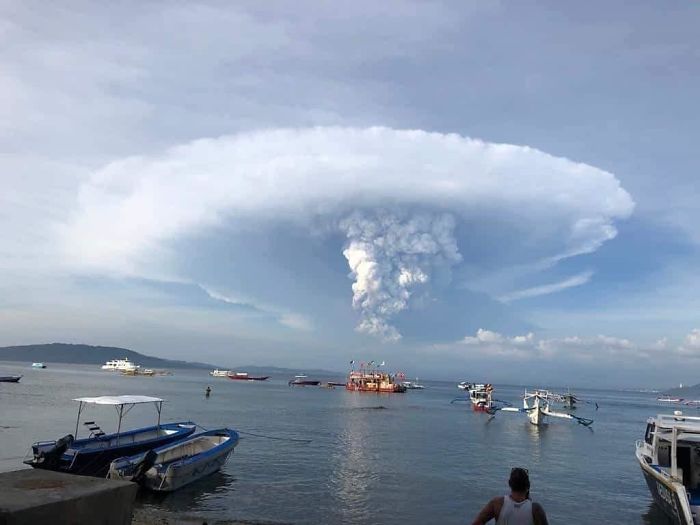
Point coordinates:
[(87, 354), (98, 355), (686, 392)]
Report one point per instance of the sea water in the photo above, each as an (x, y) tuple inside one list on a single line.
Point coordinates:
[(321, 455)]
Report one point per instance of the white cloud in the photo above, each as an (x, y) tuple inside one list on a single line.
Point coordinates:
[(535, 291), (428, 184)]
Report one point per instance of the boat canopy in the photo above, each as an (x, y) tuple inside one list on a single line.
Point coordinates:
[(119, 400)]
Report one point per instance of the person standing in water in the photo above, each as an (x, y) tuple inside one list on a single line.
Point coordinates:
[(207, 392), (515, 508)]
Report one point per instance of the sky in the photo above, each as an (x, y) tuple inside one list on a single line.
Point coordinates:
[(473, 190)]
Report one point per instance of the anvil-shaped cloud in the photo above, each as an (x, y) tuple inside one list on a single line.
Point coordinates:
[(404, 200)]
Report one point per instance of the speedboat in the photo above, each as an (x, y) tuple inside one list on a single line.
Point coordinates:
[(10, 379), (173, 466), (92, 455), (245, 376), (668, 458), (669, 399), (302, 380), (413, 385)]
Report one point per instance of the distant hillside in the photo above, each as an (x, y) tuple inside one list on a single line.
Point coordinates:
[(86, 354), (98, 355), (687, 392)]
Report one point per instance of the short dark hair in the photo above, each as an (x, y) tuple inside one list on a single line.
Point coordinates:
[(519, 480)]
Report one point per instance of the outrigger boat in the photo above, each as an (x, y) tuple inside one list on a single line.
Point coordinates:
[(667, 456), (91, 456), (481, 397), (173, 466), (536, 406), (669, 399)]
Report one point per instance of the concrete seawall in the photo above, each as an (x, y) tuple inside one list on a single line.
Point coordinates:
[(42, 496)]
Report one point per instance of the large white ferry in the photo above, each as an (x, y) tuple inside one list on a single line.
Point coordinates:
[(120, 365), (669, 458)]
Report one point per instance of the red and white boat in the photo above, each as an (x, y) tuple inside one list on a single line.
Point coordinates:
[(480, 395)]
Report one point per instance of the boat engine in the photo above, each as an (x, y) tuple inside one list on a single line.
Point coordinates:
[(49, 458), (146, 463)]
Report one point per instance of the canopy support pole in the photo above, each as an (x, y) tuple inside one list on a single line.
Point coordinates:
[(77, 421), (674, 450), (119, 427), (159, 407)]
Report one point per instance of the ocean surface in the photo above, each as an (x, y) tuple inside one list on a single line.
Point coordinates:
[(394, 459)]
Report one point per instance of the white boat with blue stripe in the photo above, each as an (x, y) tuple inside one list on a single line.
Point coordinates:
[(669, 456), (173, 466)]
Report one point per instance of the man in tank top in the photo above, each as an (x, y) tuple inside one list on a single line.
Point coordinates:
[(515, 508)]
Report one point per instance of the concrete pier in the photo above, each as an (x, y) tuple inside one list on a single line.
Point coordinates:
[(42, 496)]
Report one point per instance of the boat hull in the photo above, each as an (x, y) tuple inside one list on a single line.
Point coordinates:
[(669, 496), (92, 456), (480, 407), (248, 378), (10, 379), (179, 464), (392, 389)]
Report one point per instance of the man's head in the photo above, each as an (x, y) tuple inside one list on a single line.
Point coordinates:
[(519, 480)]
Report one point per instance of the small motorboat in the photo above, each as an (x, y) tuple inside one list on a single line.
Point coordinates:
[(10, 379), (38, 365), (302, 380), (91, 456), (173, 466), (669, 399), (413, 385), (245, 376), (667, 456)]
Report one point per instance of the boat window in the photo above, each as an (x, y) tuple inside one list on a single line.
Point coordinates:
[(649, 435)]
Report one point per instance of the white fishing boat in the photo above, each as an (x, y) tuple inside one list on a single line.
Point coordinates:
[(668, 457), (413, 385), (464, 385), (536, 406), (38, 365), (669, 399), (173, 466), (120, 365), (219, 373)]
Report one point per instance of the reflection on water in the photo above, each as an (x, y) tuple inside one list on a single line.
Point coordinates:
[(655, 516)]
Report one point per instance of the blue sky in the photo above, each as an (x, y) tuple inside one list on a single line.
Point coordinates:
[(495, 189)]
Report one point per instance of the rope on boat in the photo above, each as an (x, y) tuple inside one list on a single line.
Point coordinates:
[(293, 440)]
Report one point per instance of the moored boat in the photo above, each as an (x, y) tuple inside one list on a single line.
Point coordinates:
[(245, 376), (413, 385), (91, 456), (667, 456), (120, 365), (369, 379), (669, 399), (10, 379), (173, 466), (536, 406), (481, 397), (302, 380), (38, 365)]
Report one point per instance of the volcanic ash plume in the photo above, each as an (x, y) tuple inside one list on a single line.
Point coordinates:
[(390, 257)]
